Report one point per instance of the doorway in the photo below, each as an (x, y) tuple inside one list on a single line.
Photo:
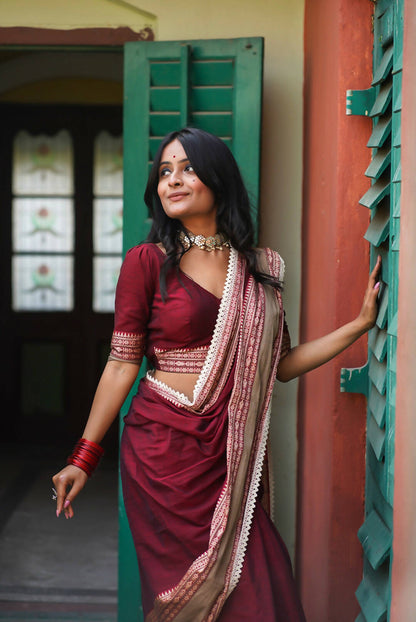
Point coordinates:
[(60, 241)]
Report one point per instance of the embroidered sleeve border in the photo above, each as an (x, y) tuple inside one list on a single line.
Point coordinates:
[(127, 347)]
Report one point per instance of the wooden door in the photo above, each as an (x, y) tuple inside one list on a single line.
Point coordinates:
[(61, 197)]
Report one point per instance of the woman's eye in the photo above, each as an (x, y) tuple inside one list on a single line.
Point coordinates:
[(189, 168), (163, 172)]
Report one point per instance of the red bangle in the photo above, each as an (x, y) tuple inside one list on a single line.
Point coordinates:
[(86, 455)]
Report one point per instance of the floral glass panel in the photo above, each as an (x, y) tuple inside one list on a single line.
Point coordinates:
[(42, 283), (42, 165), (106, 271), (43, 225), (108, 225), (108, 165)]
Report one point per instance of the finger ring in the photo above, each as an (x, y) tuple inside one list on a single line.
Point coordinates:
[(54, 494)]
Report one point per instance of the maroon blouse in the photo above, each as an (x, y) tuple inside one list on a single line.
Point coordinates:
[(174, 334)]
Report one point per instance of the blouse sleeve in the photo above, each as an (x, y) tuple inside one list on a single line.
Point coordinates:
[(134, 295)]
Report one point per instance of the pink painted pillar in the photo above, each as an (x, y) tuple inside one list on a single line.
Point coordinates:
[(338, 56), (403, 605)]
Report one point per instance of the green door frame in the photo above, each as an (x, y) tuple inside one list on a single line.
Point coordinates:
[(143, 129)]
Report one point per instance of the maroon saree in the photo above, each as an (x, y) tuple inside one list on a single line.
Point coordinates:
[(191, 473)]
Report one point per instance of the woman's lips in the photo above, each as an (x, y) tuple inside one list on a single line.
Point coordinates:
[(177, 196)]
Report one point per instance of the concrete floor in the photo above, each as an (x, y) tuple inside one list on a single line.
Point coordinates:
[(56, 569)]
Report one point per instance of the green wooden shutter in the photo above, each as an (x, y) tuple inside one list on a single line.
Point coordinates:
[(213, 85), (383, 200)]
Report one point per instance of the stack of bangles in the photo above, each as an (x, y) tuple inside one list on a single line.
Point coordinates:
[(86, 455)]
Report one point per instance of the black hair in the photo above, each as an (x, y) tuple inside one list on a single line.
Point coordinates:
[(216, 167)]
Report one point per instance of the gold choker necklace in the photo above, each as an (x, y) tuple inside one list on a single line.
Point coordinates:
[(213, 242)]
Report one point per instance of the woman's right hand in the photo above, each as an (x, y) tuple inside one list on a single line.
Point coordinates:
[(68, 483)]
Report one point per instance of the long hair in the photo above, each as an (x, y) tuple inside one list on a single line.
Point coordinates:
[(216, 167)]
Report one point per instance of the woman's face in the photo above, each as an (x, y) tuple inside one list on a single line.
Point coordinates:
[(181, 192)]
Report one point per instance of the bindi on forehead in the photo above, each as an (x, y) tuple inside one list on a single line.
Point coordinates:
[(168, 160)]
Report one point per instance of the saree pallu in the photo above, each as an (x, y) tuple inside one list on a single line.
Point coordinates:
[(191, 473)]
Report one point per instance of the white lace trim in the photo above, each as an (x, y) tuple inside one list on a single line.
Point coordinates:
[(179, 398), (219, 324), (250, 505), (281, 269)]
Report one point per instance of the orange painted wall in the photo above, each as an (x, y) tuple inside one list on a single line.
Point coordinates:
[(338, 56), (403, 605)]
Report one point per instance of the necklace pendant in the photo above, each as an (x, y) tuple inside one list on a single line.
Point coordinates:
[(210, 243), (199, 241)]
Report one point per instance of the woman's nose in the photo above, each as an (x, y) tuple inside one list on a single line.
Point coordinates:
[(175, 179)]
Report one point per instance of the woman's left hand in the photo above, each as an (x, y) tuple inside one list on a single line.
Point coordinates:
[(369, 310)]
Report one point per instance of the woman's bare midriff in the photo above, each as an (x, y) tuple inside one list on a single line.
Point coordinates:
[(183, 383)]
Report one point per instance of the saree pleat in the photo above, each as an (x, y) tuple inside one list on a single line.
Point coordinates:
[(266, 591), (173, 468), (170, 517)]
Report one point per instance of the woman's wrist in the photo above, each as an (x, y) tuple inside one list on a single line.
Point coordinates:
[(360, 326), (86, 455)]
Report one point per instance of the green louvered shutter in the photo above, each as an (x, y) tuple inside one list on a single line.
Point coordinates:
[(215, 85), (378, 377)]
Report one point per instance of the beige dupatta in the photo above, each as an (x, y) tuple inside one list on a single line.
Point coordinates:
[(250, 327)]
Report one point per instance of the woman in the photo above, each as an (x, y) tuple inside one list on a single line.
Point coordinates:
[(205, 307)]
